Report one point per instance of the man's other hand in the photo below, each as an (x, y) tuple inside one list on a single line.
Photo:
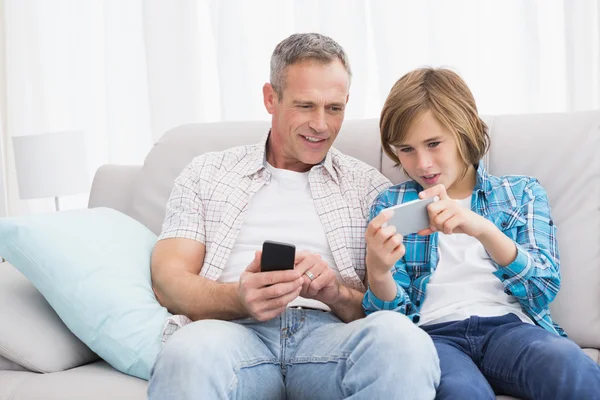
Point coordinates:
[(265, 295)]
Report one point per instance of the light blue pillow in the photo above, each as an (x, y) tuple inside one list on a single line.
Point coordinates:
[(93, 267)]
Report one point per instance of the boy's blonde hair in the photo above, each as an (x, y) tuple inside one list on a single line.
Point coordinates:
[(448, 98)]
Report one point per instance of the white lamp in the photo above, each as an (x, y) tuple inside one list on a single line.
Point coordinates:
[(51, 165)]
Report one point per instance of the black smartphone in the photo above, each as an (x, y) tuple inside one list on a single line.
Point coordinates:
[(277, 256)]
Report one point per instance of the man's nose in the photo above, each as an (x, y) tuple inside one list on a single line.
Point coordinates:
[(318, 122)]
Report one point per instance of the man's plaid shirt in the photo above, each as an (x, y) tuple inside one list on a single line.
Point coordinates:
[(212, 193), (518, 206)]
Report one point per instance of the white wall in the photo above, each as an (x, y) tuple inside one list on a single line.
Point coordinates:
[(3, 135)]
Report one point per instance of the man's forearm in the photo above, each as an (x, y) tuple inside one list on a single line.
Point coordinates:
[(200, 298), (349, 306)]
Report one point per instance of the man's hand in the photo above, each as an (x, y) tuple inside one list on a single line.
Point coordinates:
[(384, 246), (265, 295), (323, 286), (447, 216)]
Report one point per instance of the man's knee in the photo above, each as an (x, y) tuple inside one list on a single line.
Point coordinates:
[(395, 335), (391, 328), (205, 340)]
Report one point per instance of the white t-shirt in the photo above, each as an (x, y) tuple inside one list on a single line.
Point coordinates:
[(463, 284), (283, 211)]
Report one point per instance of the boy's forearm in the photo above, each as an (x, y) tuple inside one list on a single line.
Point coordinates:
[(500, 247), (383, 286)]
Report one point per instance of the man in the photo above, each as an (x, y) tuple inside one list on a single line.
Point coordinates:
[(297, 333)]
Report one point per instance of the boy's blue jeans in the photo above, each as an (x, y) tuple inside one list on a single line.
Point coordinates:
[(303, 354), (480, 356)]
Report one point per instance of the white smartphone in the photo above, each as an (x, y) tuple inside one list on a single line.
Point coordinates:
[(411, 217)]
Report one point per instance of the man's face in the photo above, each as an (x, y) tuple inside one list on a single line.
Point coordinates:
[(430, 156), (306, 121)]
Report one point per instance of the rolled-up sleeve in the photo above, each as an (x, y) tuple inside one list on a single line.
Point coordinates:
[(184, 216)]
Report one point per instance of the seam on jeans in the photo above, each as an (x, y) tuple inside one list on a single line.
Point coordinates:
[(254, 362), (324, 360), (471, 324), (319, 359), (495, 374), (345, 388), (489, 374), (247, 364)]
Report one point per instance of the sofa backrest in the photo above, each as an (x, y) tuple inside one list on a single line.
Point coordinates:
[(561, 150), (177, 147)]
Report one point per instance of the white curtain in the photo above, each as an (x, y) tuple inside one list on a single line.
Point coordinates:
[(127, 71)]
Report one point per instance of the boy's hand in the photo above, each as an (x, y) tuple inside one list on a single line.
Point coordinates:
[(384, 245), (447, 216)]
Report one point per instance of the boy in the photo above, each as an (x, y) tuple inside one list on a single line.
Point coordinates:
[(479, 281)]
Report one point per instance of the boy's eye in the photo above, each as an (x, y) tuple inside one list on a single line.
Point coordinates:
[(433, 144), (406, 149)]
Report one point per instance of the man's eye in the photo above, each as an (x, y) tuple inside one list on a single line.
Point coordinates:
[(433, 144), (304, 106)]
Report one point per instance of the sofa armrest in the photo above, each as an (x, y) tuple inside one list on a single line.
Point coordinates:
[(113, 187)]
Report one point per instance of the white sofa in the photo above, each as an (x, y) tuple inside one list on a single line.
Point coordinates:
[(561, 150)]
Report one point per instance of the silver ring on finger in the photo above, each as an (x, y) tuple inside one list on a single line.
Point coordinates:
[(310, 275)]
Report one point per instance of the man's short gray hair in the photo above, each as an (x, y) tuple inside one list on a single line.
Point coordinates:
[(304, 46)]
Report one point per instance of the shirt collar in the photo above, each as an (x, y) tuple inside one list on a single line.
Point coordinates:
[(258, 160), (258, 157), (327, 163), (482, 183)]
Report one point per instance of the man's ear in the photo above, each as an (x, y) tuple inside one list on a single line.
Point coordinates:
[(269, 97)]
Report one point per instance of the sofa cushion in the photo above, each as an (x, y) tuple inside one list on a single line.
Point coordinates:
[(180, 145), (96, 381), (31, 334), (594, 354), (8, 365), (561, 150), (93, 267)]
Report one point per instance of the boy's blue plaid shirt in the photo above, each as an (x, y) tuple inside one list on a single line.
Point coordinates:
[(518, 206)]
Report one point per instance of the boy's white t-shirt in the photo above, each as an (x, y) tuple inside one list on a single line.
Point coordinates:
[(283, 211), (463, 284)]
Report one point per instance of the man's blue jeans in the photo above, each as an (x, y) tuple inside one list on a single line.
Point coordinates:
[(480, 356), (303, 354)]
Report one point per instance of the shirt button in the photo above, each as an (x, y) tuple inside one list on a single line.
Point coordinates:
[(418, 303), (508, 292), (416, 319), (505, 276)]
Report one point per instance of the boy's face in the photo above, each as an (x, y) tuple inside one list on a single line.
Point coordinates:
[(429, 155)]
